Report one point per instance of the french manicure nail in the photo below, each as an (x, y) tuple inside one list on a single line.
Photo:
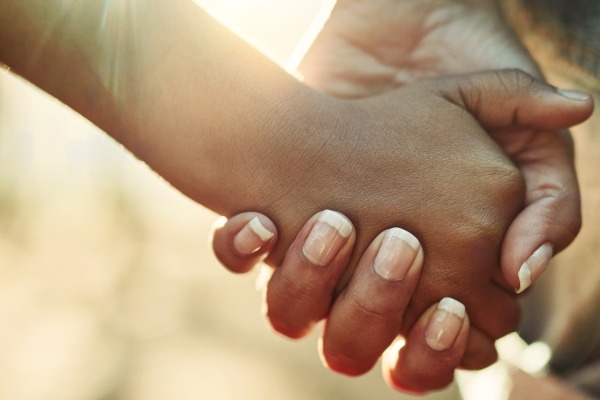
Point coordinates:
[(534, 266), (445, 324), (399, 251), (573, 94), (326, 238), (252, 237)]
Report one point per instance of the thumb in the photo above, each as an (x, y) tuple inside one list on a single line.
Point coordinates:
[(523, 114), (512, 98)]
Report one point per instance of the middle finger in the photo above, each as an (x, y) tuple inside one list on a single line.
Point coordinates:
[(367, 315)]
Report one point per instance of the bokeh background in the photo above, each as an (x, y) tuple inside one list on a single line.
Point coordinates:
[(108, 287)]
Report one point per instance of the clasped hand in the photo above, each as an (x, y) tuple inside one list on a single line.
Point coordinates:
[(482, 202)]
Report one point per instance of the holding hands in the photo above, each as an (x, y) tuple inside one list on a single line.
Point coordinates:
[(450, 193), (453, 188), (488, 229)]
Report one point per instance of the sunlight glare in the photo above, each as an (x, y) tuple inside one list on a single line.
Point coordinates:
[(283, 30), (495, 381), (491, 383), (115, 35)]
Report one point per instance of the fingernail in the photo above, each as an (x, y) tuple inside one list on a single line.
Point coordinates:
[(445, 324), (327, 237), (252, 237), (399, 251), (573, 95), (534, 266)]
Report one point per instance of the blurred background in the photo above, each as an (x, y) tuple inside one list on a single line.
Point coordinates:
[(108, 287)]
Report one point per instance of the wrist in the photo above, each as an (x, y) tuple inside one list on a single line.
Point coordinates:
[(216, 118), (275, 152)]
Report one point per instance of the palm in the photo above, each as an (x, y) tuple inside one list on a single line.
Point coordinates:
[(368, 47)]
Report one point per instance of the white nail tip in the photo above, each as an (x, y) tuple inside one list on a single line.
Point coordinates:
[(534, 266), (452, 306), (524, 277), (405, 236), (257, 227), (337, 221)]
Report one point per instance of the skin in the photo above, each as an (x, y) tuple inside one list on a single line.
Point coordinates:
[(353, 58), (494, 298), (183, 106), (415, 368)]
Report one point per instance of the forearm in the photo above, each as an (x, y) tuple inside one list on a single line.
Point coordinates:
[(48, 45), (177, 89)]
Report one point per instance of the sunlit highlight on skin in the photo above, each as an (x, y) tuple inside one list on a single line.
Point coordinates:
[(66, 8), (309, 36), (115, 37)]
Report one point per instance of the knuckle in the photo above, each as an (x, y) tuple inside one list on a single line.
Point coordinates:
[(507, 182), (503, 189), (367, 314), (515, 80), (285, 289), (284, 294), (356, 353), (479, 231)]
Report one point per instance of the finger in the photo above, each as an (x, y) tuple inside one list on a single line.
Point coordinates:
[(509, 98), (551, 217), (301, 291), (480, 352), (368, 314), (433, 350), (493, 311), (243, 240), (503, 102)]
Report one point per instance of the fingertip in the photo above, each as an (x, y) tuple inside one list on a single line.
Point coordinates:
[(344, 366), (558, 111), (509, 97), (581, 100), (433, 349), (389, 363), (480, 352), (340, 363), (243, 240), (393, 383), (290, 332), (567, 107)]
